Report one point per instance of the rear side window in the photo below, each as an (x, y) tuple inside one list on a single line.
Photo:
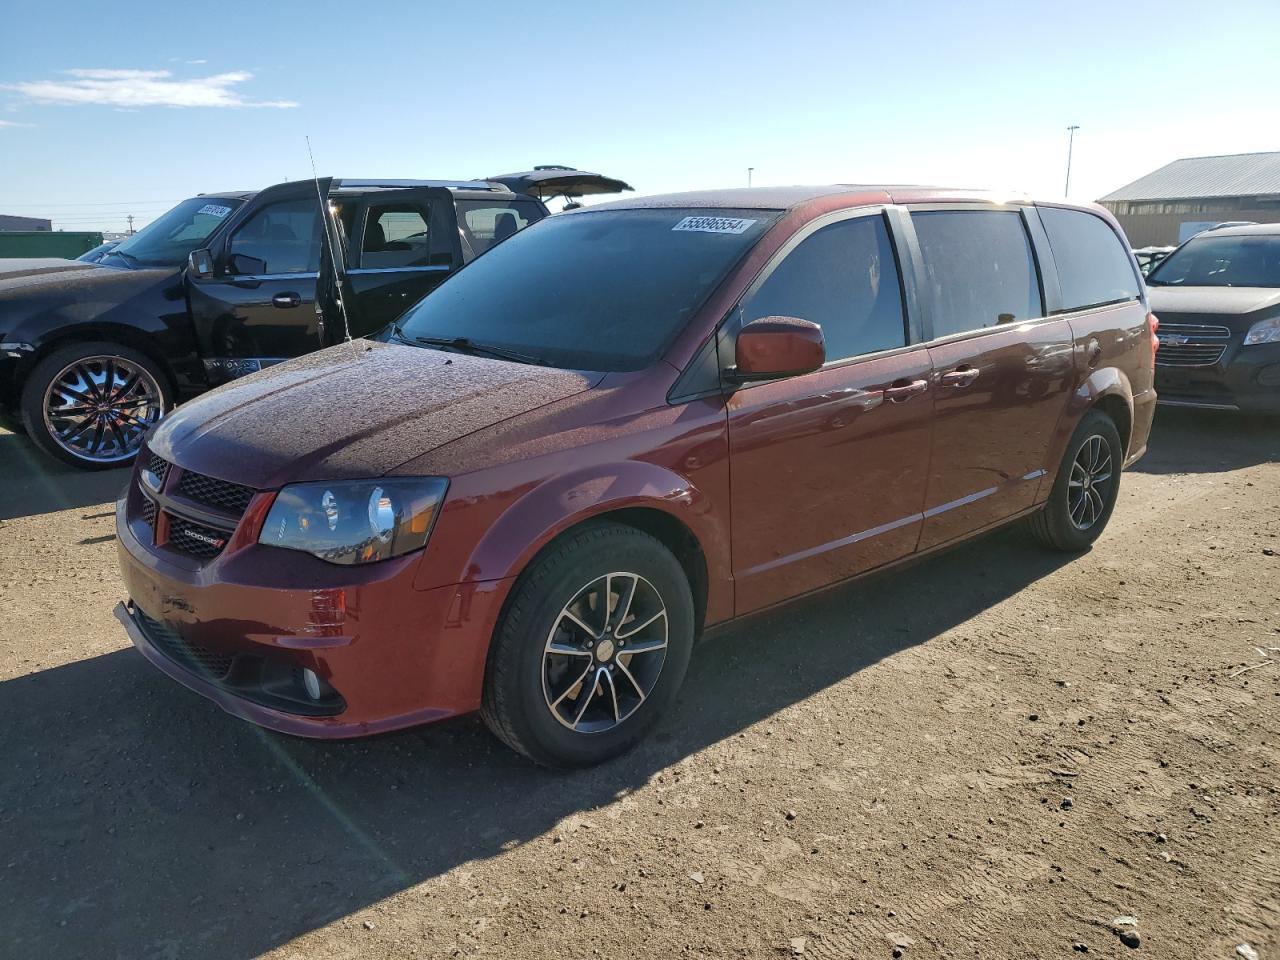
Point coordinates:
[(978, 269), (398, 235), (845, 279), (1093, 266)]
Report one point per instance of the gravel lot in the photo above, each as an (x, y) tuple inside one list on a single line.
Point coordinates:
[(995, 753)]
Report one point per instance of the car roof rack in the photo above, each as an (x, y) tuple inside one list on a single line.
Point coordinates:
[(347, 183)]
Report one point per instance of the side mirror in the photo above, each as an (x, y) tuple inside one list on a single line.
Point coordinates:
[(774, 347), (242, 265), (200, 264)]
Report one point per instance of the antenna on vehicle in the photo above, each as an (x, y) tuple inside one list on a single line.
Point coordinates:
[(333, 259)]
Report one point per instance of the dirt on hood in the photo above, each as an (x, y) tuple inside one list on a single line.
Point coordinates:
[(354, 410)]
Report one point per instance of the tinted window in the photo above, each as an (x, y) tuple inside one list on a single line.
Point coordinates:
[(285, 236), (843, 278), (594, 290), (978, 269), (1093, 265), (485, 222), (1209, 261), (399, 235)]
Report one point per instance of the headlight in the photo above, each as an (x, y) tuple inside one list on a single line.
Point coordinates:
[(355, 521), (1264, 331)]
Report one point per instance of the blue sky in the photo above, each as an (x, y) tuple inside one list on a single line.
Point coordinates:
[(108, 109)]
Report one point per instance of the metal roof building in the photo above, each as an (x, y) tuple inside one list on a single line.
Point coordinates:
[(1184, 197)]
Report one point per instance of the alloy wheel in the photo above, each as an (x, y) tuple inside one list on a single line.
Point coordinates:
[(98, 408), (1089, 485), (605, 652)]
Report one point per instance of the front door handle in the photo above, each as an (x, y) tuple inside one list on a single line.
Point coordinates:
[(283, 300), (960, 377), (905, 389)]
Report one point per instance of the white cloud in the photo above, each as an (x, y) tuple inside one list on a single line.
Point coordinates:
[(14, 123), (143, 88)]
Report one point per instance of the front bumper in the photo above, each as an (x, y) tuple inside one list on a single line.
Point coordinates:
[(1245, 379), (249, 622)]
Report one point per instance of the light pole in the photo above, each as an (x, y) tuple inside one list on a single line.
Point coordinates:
[(750, 170), (1071, 137)]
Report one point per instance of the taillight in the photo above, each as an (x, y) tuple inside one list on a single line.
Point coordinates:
[(1153, 324)]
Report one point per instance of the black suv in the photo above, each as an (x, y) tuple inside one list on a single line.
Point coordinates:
[(92, 354)]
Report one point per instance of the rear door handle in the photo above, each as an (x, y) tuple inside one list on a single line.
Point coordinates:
[(905, 390), (286, 300), (960, 377)]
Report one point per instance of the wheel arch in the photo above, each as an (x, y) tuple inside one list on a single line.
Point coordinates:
[(97, 331), (1107, 389), (645, 496)]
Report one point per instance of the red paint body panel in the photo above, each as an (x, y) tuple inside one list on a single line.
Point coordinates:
[(828, 475), (786, 486)]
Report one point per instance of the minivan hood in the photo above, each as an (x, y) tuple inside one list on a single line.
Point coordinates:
[(354, 410), (1218, 301)]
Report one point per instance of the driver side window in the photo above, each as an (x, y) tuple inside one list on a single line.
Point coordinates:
[(280, 238), (844, 278)]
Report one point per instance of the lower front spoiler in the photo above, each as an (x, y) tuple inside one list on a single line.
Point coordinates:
[(321, 728)]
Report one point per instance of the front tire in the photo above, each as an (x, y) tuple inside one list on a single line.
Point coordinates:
[(90, 404), (591, 649), (1085, 490)]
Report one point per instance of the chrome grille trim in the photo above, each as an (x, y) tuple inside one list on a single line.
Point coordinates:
[(1202, 345)]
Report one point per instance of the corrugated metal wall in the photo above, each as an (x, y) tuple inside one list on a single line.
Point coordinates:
[(1150, 223)]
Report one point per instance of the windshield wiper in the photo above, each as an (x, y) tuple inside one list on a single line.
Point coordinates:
[(467, 345), (128, 258)]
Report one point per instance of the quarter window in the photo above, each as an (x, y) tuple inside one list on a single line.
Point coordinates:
[(845, 279), (1093, 266), (978, 269), (280, 238)]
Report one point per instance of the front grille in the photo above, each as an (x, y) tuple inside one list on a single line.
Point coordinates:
[(196, 539), (148, 511), (1196, 345), (194, 657), (231, 497), (160, 467)]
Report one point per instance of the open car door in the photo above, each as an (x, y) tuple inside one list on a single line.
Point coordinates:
[(553, 181), (391, 247)]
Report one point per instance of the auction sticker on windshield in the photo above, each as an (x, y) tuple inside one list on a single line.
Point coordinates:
[(214, 210), (714, 224)]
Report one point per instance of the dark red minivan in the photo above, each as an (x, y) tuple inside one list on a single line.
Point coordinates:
[(623, 425)]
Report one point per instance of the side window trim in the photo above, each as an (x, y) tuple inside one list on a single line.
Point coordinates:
[(1039, 260)]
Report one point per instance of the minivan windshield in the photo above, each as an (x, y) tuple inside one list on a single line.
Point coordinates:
[(1209, 261), (594, 290), (168, 239)]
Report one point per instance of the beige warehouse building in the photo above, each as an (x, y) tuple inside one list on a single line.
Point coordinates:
[(1184, 197)]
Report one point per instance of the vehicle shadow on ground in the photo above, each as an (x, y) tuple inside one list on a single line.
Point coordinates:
[(137, 820), (1208, 441), (34, 483)]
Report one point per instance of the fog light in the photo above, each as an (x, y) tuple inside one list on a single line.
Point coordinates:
[(311, 683)]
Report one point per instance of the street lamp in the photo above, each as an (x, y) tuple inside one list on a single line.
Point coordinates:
[(1071, 136)]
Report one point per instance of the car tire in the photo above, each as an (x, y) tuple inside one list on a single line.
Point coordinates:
[(1085, 489), (529, 701), (117, 378)]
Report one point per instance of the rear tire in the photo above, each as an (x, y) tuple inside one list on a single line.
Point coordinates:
[(1085, 489), (89, 404), (628, 655)]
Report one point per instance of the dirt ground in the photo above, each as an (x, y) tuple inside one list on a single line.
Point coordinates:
[(995, 753)]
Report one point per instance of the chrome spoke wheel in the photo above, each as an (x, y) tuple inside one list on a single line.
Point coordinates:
[(1089, 485), (605, 652), (98, 408)]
